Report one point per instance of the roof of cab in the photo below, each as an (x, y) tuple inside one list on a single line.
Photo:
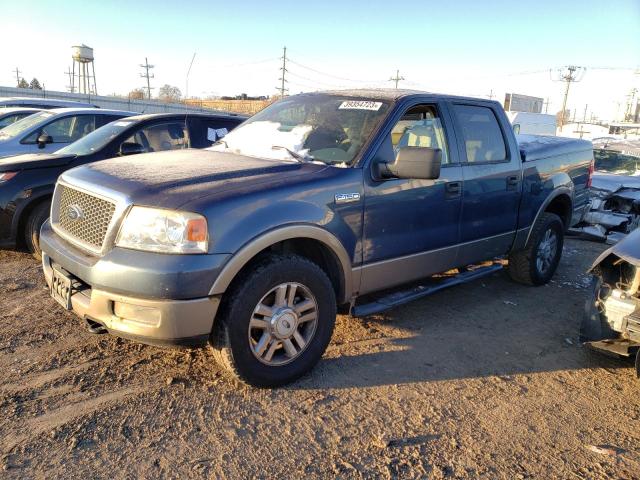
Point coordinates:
[(392, 94)]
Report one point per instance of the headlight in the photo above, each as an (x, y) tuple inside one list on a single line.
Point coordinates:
[(165, 231), (4, 176)]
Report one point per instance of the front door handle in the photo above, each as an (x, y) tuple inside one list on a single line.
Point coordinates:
[(453, 189), (512, 182)]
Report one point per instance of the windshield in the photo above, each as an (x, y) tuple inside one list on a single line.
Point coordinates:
[(97, 139), (321, 128), (24, 124), (616, 162)]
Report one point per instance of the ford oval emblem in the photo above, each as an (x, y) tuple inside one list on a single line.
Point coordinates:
[(74, 212)]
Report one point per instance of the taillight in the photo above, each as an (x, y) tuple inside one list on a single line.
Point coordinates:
[(4, 176), (590, 173)]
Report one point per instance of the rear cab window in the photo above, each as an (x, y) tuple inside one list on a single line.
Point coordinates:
[(481, 133)]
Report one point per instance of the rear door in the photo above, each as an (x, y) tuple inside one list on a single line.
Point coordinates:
[(492, 182), (411, 226)]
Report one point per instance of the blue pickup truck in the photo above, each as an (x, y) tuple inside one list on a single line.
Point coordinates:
[(347, 199)]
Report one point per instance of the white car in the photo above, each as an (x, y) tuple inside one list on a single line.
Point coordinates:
[(50, 130)]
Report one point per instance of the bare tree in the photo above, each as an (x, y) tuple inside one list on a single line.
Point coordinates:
[(169, 93)]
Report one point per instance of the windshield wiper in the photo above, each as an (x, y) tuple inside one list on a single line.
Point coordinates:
[(296, 155)]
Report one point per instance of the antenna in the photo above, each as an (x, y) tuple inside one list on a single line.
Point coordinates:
[(186, 96), (397, 78), (568, 75), (148, 76)]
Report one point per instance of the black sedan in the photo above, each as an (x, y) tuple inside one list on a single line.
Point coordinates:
[(27, 181)]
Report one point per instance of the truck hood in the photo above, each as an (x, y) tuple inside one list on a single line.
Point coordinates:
[(34, 160), (628, 249), (172, 179)]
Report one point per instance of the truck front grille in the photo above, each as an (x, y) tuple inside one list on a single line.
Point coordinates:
[(84, 217)]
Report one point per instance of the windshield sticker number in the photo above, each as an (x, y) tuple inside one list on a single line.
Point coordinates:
[(360, 105)]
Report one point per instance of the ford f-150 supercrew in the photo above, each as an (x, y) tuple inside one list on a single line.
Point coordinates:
[(320, 201)]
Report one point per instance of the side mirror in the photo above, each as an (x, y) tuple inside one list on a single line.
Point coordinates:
[(414, 162), (131, 148), (44, 139)]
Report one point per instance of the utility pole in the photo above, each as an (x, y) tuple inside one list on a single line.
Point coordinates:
[(70, 74), (584, 117), (546, 105), (18, 72), (628, 114), (568, 75), (284, 70), (147, 75), (397, 78), (491, 95)]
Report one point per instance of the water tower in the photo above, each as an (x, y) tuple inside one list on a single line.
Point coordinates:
[(84, 81)]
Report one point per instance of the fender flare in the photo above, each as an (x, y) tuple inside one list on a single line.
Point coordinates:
[(291, 232)]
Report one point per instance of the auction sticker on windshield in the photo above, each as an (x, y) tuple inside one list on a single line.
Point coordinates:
[(360, 105)]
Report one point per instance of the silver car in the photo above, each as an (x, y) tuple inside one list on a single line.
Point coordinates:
[(13, 114), (50, 130)]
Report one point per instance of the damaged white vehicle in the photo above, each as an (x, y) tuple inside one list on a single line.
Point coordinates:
[(611, 322), (614, 210)]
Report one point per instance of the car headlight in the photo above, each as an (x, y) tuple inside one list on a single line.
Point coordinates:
[(165, 231)]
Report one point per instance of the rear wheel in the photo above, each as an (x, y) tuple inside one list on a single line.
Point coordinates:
[(536, 264), (276, 322), (36, 219)]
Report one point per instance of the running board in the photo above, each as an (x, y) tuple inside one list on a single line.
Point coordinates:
[(401, 297)]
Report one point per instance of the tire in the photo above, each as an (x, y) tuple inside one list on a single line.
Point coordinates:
[(262, 348), (36, 219), (537, 263)]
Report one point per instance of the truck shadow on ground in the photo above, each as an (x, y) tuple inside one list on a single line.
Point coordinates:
[(463, 333)]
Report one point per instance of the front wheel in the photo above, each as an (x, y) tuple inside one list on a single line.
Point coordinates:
[(276, 322), (536, 264), (34, 223)]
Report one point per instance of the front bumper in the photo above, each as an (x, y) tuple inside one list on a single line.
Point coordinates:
[(163, 322), (146, 297)]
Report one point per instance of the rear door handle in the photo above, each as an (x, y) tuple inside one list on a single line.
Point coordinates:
[(453, 189), (512, 182)]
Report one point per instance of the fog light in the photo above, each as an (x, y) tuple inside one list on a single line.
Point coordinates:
[(149, 316)]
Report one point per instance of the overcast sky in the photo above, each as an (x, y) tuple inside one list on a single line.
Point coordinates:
[(464, 47)]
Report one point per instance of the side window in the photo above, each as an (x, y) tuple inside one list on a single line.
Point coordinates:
[(481, 133), (65, 130), (420, 127), (10, 119), (157, 138)]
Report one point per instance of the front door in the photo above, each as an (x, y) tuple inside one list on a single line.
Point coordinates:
[(411, 226)]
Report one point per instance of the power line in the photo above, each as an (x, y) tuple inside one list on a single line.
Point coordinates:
[(397, 78), (69, 73), (18, 72), (568, 75), (284, 70), (333, 76), (147, 75)]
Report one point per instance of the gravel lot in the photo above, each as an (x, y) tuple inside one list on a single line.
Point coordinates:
[(485, 380)]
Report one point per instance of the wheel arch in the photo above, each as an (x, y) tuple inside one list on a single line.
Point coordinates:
[(559, 202), (22, 215), (312, 242)]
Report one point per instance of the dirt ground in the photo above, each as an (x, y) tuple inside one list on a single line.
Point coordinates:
[(485, 380)]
